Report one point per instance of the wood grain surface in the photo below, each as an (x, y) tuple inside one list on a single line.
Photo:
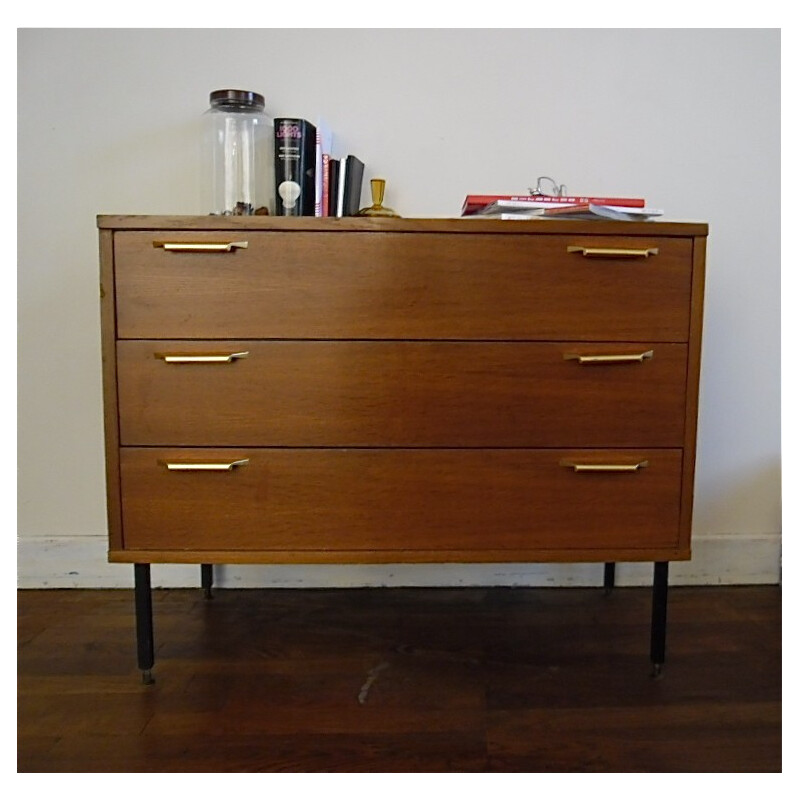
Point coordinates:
[(401, 394), (401, 680), (305, 285), (400, 500)]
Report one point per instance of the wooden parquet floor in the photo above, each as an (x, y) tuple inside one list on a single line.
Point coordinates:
[(401, 680)]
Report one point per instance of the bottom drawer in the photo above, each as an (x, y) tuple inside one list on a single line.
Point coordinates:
[(401, 500)]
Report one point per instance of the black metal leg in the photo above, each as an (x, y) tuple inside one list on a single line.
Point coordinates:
[(144, 621), (658, 629), (207, 579), (609, 573)]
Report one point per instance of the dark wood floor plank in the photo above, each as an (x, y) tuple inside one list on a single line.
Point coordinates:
[(401, 680), (316, 752)]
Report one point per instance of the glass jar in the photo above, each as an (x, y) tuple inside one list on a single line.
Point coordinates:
[(239, 142)]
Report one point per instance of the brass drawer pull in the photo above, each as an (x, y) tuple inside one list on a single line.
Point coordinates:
[(612, 252), (201, 358), (612, 358), (201, 247), (582, 467), (203, 466)]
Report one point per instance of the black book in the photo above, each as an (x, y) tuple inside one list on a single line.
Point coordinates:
[(333, 187), (351, 177), (295, 159)]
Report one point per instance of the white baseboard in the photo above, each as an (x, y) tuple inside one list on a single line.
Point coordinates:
[(79, 562)]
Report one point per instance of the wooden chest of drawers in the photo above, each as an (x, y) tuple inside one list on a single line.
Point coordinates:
[(355, 390)]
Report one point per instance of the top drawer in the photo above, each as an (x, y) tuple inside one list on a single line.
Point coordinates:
[(367, 285)]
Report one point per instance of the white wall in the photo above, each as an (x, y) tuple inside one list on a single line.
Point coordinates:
[(109, 123)]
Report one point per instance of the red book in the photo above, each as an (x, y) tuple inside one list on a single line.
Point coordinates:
[(475, 202), (326, 185)]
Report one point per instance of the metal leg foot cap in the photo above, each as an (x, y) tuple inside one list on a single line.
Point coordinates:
[(657, 670), (147, 677)]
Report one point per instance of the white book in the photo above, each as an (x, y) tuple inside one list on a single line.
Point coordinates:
[(625, 213), (502, 206)]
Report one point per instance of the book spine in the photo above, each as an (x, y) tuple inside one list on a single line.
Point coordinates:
[(340, 188), (318, 173), (309, 173), (295, 146), (325, 202), (324, 141), (353, 186), (632, 202), (333, 188)]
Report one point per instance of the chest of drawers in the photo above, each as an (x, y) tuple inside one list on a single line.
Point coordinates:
[(397, 391)]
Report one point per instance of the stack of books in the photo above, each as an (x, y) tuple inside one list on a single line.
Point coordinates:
[(546, 206), (309, 181)]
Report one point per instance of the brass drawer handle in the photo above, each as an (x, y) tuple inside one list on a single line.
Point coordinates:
[(612, 252), (201, 247), (203, 466), (201, 358), (612, 358), (577, 466)]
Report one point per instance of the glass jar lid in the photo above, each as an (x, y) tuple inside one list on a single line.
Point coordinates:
[(236, 98)]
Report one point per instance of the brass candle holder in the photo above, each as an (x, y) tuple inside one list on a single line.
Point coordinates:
[(377, 209)]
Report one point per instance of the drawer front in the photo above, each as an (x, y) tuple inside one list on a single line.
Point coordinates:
[(399, 500), (369, 285), (393, 394)]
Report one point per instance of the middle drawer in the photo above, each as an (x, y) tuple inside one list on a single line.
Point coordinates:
[(401, 394)]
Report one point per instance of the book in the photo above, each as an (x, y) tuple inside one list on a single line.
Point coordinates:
[(624, 212), (333, 186), (353, 186), (500, 207), (532, 206), (475, 202), (326, 185), (351, 177), (324, 145), (295, 161), (578, 211), (538, 208), (340, 187)]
